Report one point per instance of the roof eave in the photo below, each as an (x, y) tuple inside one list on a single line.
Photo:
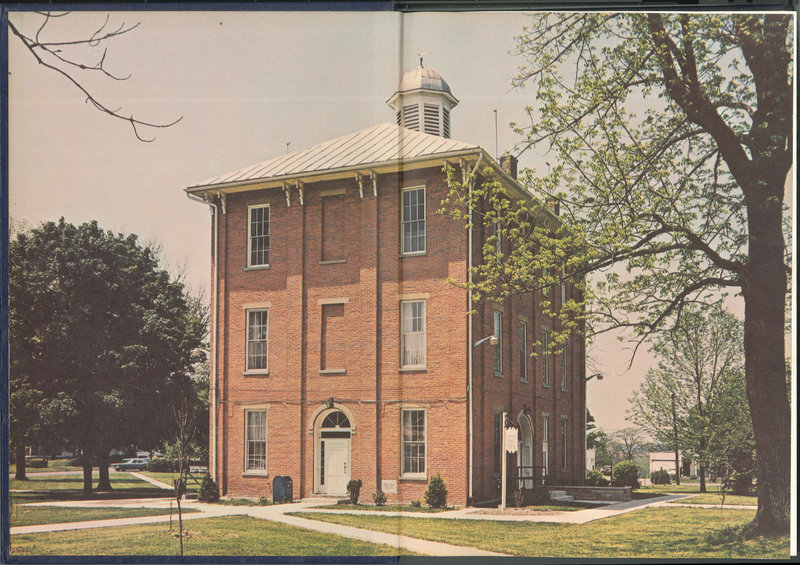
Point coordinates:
[(330, 174)]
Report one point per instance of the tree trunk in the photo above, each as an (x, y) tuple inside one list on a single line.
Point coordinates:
[(102, 465), (764, 291), (86, 462), (19, 460), (677, 449)]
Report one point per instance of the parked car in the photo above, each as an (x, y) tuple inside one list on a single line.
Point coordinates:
[(137, 463)]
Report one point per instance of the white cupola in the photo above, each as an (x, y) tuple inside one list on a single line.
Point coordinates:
[(422, 102)]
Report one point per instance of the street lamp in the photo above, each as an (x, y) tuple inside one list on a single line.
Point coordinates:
[(197, 351), (492, 339), (590, 377)]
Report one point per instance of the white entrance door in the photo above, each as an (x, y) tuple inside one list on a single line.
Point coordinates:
[(337, 465)]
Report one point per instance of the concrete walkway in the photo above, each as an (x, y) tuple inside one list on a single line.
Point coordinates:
[(274, 513), (574, 517), (153, 482)]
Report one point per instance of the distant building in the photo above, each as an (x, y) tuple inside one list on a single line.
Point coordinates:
[(666, 461), (340, 351)]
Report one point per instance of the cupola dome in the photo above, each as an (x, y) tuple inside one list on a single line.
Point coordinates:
[(422, 102)]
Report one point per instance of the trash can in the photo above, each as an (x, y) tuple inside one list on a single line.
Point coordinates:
[(282, 489)]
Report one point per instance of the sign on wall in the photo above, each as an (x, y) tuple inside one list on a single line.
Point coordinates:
[(389, 487)]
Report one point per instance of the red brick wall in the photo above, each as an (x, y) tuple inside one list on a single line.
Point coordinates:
[(369, 282)]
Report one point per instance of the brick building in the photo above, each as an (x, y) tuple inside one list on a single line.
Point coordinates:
[(340, 350)]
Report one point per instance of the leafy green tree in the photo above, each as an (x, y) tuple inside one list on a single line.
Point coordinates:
[(687, 395), (103, 333), (654, 407), (671, 141)]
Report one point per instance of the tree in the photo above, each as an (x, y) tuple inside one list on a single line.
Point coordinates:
[(102, 333), (684, 396), (672, 141), (654, 408), (69, 59), (628, 443)]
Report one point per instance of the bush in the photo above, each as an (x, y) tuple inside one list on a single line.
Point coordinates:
[(209, 491), (660, 477), (595, 478), (738, 483), (436, 495), (161, 466), (626, 474), (416, 504), (379, 498), (354, 489)]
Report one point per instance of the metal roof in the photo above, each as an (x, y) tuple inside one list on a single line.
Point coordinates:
[(384, 143), (425, 78)]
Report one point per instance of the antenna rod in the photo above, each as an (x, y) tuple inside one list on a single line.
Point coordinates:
[(496, 151)]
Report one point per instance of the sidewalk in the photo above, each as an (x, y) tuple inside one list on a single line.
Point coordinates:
[(274, 513), (576, 517)]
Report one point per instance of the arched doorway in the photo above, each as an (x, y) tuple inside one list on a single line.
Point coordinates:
[(525, 452), (332, 467)]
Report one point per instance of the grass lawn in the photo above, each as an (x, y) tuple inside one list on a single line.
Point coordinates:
[(70, 487), (387, 508), (683, 488), (715, 498), (651, 532), (229, 535), (53, 465), (30, 515), (75, 482), (168, 478)]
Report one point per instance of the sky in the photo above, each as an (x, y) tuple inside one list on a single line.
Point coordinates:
[(244, 85)]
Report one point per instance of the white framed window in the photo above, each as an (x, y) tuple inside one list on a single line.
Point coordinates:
[(257, 340), (523, 351), (563, 283), (545, 357), (414, 438), (413, 220), (255, 456), (546, 443), (498, 443), (564, 444), (412, 338), (498, 242), (498, 349), (564, 368), (258, 236)]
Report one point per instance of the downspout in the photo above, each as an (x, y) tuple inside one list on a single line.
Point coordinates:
[(469, 329), (213, 360)]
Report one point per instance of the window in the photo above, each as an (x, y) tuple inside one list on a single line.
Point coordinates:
[(545, 444), (498, 442), (258, 240), (498, 241), (564, 445), (412, 334), (545, 355), (564, 368), (332, 348), (257, 331), (255, 458), (563, 283), (413, 443), (498, 349), (523, 352), (333, 228), (413, 220)]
